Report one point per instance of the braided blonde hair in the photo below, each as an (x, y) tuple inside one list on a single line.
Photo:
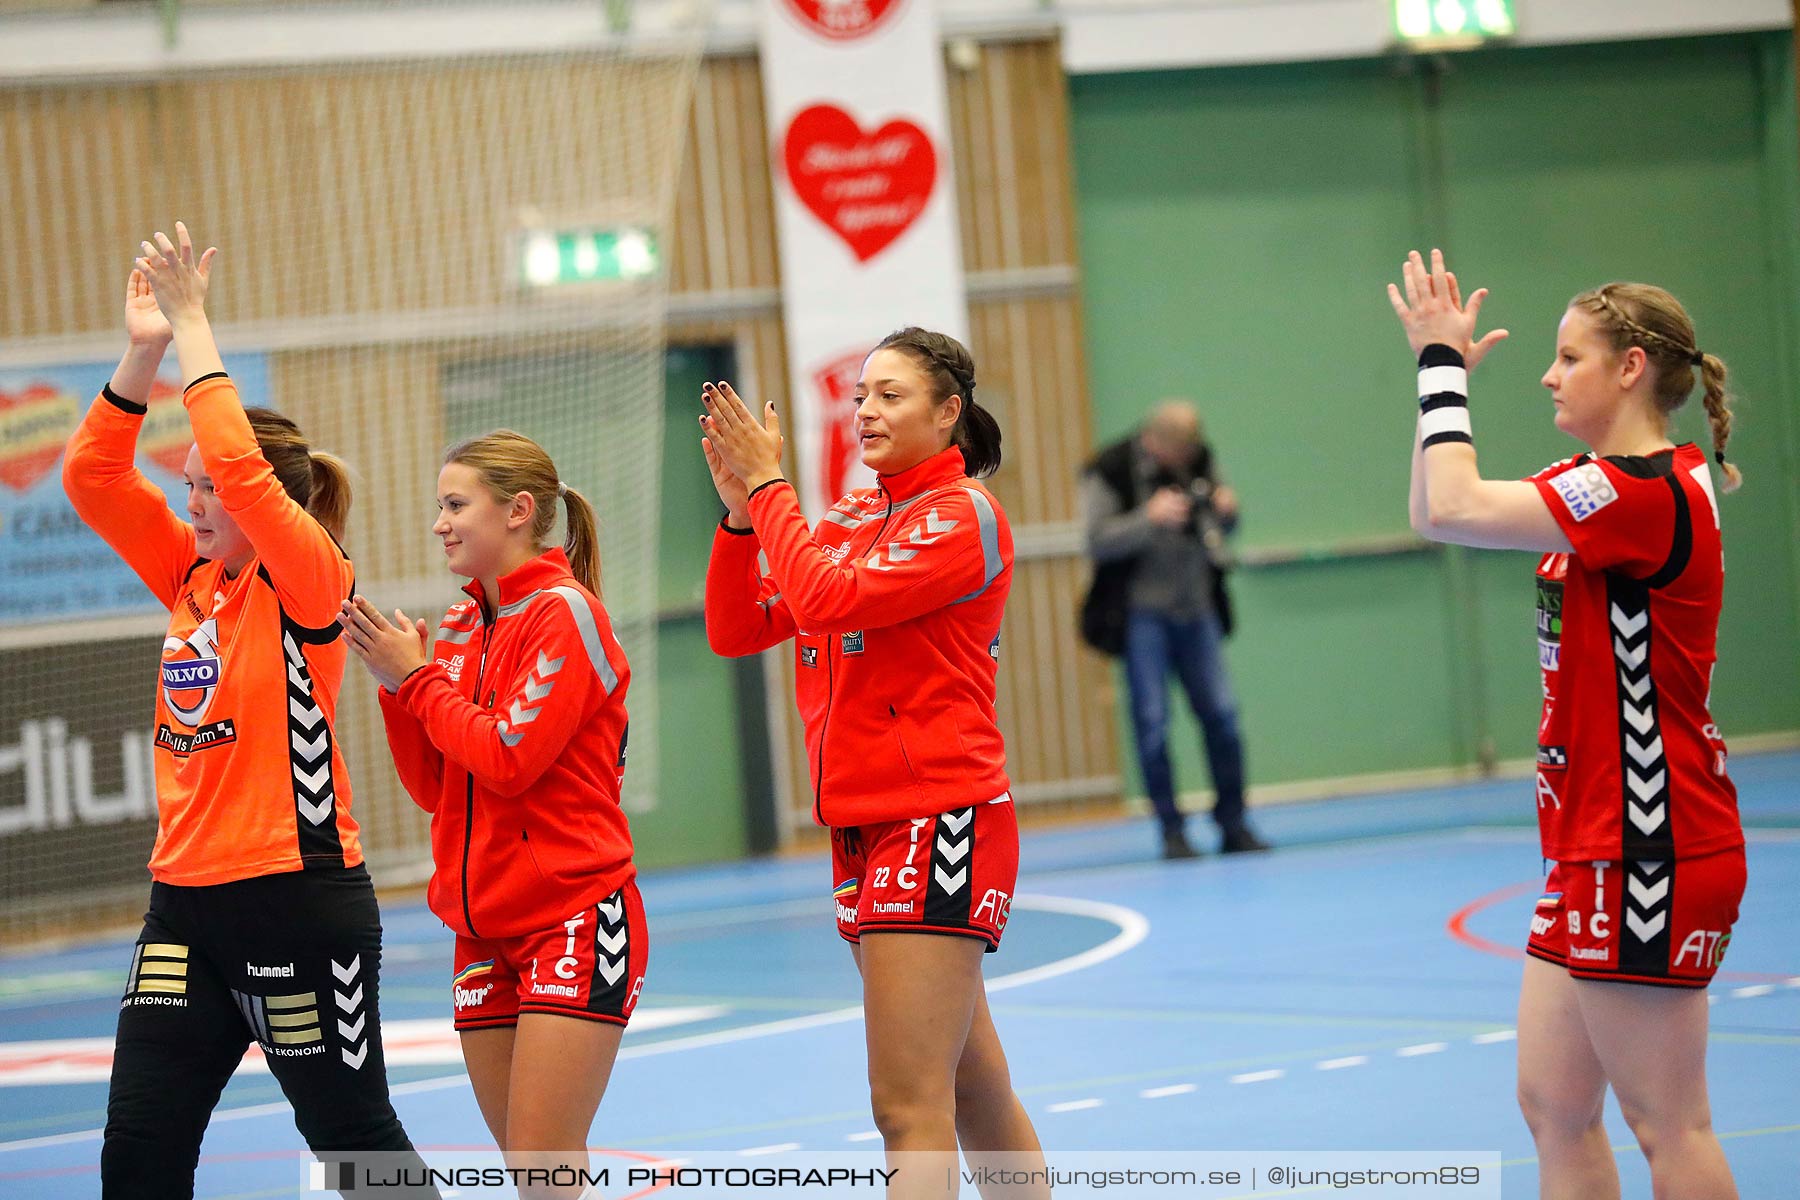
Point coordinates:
[(1646, 316)]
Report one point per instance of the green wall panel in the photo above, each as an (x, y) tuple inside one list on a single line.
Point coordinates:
[(1237, 226)]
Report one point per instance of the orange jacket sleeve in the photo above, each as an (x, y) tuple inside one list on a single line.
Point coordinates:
[(308, 570), (939, 553), (118, 501), (508, 746), (745, 613), (419, 763)]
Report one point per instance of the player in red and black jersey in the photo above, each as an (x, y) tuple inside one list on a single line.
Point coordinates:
[(1634, 804)]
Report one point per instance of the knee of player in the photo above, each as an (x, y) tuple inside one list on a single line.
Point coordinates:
[(1660, 1130), (905, 1108), (1553, 1109)]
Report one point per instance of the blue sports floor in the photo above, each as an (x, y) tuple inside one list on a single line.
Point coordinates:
[(1353, 990)]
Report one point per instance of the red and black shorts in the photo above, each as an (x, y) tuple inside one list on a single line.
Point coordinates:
[(590, 966), (950, 873), (1664, 923)]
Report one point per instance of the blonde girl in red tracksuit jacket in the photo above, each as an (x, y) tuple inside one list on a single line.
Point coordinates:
[(894, 603), (511, 732)]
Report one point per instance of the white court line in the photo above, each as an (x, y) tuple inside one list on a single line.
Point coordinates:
[(1174, 1089), (867, 1135), (778, 1148), (1422, 1048), (1074, 1105), (1258, 1076), (1134, 927), (1338, 1064), (1759, 989), (1498, 1035)]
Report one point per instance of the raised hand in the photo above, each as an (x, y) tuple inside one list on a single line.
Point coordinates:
[(749, 449), (144, 323), (732, 492), (177, 279), (391, 652), (1432, 310)]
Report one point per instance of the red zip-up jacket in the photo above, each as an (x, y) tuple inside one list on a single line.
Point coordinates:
[(894, 603), (514, 741)]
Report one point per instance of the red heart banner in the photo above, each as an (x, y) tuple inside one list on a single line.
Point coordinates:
[(36, 422), (840, 450), (166, 435), (842, 18), (867, 187)]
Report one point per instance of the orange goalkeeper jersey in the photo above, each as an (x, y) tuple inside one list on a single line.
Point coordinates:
[(249, 777)]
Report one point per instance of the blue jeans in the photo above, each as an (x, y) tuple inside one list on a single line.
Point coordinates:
[(1155, 645)]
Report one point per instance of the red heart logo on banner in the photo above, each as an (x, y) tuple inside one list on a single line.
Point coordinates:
[(36, 422), (840, 450), (166, 435), (842, 18), (868, 187)]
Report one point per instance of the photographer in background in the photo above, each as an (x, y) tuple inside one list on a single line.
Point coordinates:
[(1157, 515)]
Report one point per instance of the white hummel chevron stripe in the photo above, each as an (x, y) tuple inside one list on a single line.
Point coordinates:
[(1647, 895), (1648, 868), (954, 852), (307, 715), (1645, 755), (355, 1060), (933, 525), (955, 823), (310, 751), (1628, 626), (1631, 658), (1645, 930), (548, 666), (509, 739), (298, 680), (874, 563), (521, 716), (1640, 719), (1648, 820), (898, 553), (313, 780), (293, 648), (315, 812), (610, 970), (952, 883), (352, 1032), (352, 1002), (346, 974), (611, 942), (1645, 787), (612, 909), (535, 691), (1635, 688)]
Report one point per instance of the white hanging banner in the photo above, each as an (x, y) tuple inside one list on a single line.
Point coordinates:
[(865, 208)]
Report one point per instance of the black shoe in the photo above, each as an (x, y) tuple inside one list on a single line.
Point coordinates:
[(1242, 840), (1176, 845)]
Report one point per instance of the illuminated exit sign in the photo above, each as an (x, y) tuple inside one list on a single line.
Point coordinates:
[(1451, 24), (550, 259)]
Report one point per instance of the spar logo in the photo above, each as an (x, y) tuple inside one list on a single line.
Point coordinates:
[(843, 19), (191, 670)]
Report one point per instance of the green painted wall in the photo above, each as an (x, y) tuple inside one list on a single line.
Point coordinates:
[(701, 811), (1237, 229)]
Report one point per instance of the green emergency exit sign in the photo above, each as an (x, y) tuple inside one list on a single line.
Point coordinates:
[(1452, 23), (554, 258)]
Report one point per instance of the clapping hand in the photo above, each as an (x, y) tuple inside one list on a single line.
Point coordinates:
[(176, 278), (748, 449), (1432, 310), (391, 652)]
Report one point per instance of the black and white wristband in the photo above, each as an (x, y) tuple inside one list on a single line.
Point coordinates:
[(1443, 397)]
